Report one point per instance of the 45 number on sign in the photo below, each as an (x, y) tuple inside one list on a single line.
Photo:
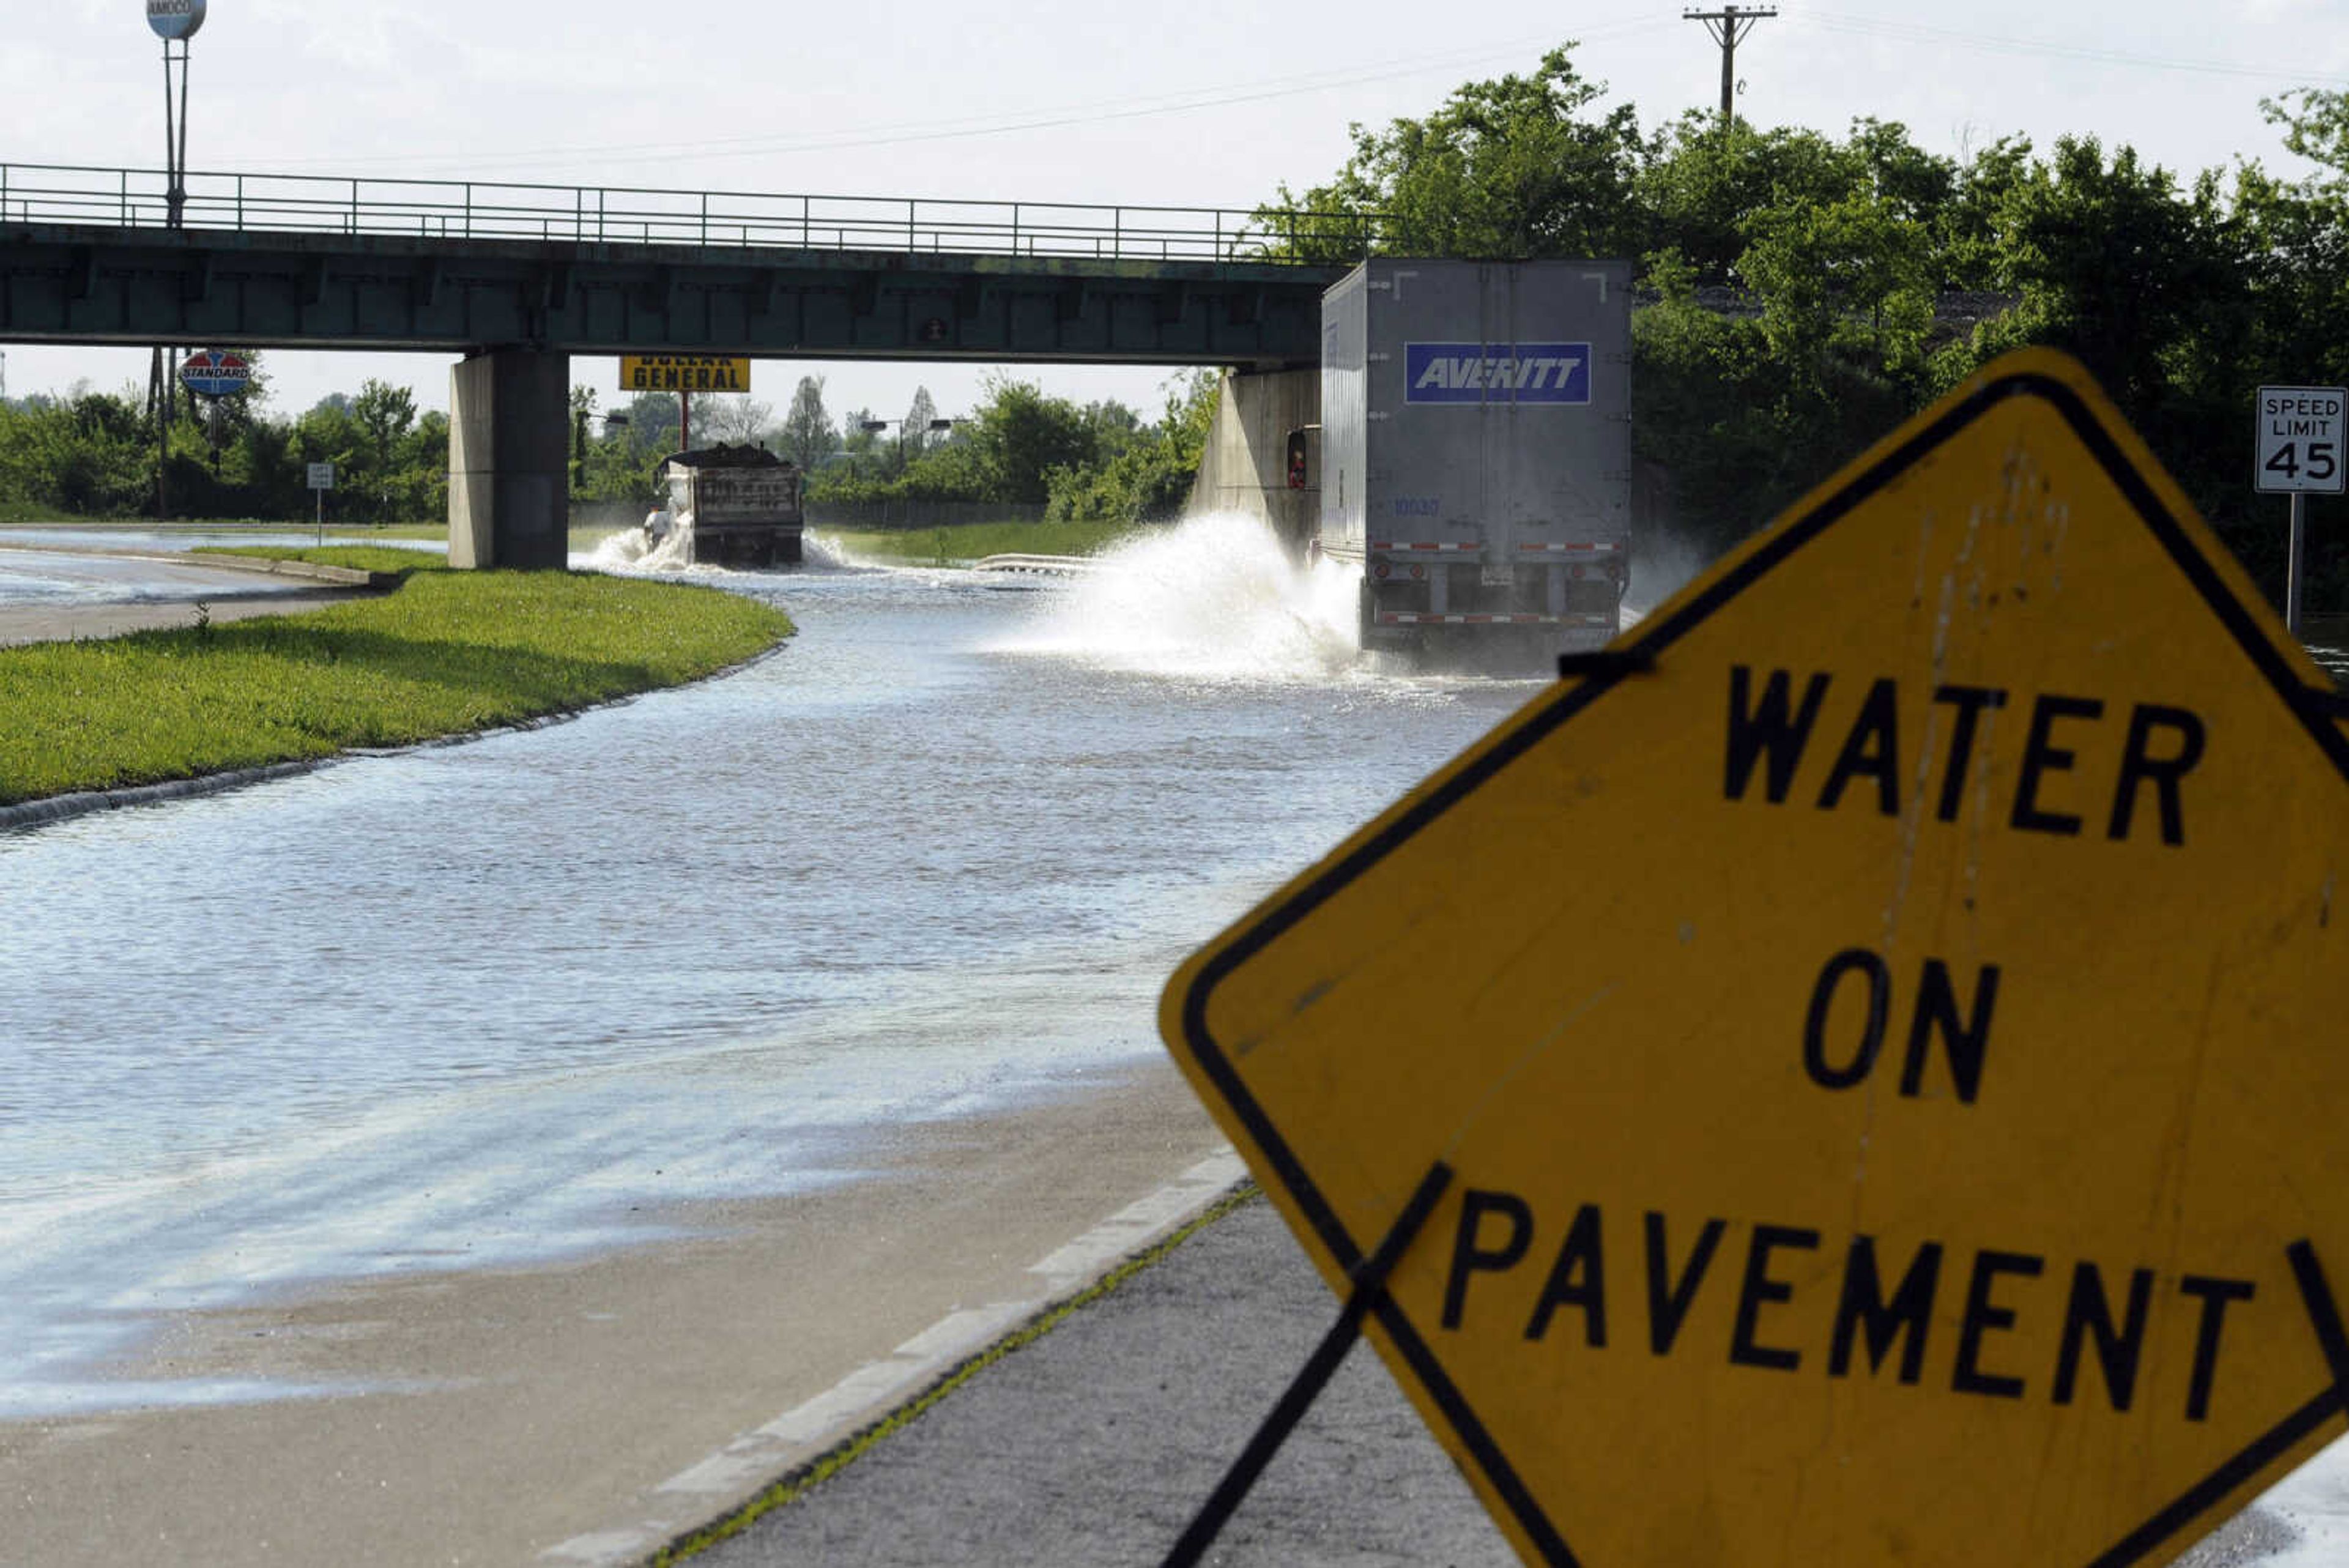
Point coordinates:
[(2304, 465)]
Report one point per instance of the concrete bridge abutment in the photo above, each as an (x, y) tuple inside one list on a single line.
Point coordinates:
[(509, 460), (1245, 468)]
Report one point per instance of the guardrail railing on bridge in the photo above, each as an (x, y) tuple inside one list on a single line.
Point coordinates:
[(131, 198)]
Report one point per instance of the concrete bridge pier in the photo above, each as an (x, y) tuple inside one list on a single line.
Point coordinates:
[(1245, 465), (509, 459)]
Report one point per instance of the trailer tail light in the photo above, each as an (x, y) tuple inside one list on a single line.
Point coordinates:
[(1380, 570), (1418, 573)]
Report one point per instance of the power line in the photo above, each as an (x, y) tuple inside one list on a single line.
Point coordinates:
[(1097, 111), (1920, 33)]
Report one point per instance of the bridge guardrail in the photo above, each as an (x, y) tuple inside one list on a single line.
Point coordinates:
[(1039, 566), (445, 209)]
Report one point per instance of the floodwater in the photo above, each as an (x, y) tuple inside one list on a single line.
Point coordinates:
[(42, 579), (65, 568), (474, 1003), (2327, 637)]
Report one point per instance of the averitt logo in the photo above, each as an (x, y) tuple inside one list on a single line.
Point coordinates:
[(1497, 372)]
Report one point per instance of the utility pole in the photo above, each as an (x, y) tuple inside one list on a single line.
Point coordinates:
[(1727, 26)]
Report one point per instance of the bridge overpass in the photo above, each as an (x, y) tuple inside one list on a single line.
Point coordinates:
[(518, 277)]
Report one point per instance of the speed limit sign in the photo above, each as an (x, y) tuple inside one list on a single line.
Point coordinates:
[(2301, 434)]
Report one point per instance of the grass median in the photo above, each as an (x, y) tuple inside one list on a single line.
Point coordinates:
[(443, 653)]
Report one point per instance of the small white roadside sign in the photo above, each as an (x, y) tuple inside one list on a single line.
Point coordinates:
[(2301, 434), (322, 476)]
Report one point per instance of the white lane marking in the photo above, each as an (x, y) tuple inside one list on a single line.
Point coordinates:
[(1138, 1224), (611, 1545), (966, 1333), (872, 1385), (869, 1392)]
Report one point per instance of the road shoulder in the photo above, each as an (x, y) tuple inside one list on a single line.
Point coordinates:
[(503, 1415)]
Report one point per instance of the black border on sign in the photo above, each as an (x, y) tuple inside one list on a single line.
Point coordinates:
[(2308, 706)]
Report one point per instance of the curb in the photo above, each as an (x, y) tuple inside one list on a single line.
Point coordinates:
[(61, 807), (769, 1467), (314, 571)]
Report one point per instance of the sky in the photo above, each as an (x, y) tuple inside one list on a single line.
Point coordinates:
[(1207, 103)]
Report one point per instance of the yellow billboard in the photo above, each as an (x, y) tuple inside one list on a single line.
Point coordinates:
[(684, 373)]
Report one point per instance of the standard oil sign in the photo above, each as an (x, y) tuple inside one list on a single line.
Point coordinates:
[(1883, 1026)]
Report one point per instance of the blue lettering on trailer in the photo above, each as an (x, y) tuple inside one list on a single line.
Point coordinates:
[(1496, 372)]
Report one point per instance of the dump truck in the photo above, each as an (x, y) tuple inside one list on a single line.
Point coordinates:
[(1474, 455), (733, 505)]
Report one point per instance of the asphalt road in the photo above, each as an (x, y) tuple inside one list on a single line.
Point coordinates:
[(1096, 1443)]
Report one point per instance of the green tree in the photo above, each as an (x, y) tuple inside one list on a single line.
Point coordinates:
[(866, 454), (919, 416), (1148, 477), (2115, 265), (1019, 434), (808, 435), (384, 416), (1700, 189), (742, 420), (653, 429), (1504, 170), (1855, 274)]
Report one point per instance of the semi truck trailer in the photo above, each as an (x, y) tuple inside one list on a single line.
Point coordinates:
[(1476, 455)]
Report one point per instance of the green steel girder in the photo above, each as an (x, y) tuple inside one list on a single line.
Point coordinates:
[(298, 290)]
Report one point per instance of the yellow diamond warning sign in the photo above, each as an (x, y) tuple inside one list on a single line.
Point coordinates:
[(1886, 1025)]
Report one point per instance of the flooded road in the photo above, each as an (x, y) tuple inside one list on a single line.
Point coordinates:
[(425, 1016), (473, 1004)]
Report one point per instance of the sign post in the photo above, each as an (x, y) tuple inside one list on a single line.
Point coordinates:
[(322, 480), (2302, 431), (1882, 1022)]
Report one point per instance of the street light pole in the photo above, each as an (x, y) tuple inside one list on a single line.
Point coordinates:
[(934, 427), (174, 22), (175, 136)]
